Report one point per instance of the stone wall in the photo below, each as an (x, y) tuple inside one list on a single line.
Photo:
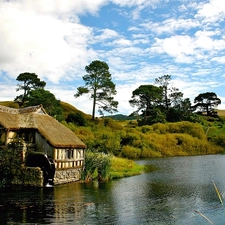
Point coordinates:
[(67, 175), (13, 170)]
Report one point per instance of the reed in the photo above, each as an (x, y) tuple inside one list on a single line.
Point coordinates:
[(221, 202), (218, 193)]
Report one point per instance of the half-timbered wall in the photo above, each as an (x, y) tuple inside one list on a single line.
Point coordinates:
[(69, 158)]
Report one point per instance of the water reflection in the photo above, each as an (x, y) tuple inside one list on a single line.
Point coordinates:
[(169, 194)]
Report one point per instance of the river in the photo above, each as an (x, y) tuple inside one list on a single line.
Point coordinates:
[(173, 191)]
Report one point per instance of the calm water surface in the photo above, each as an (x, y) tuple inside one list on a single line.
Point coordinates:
[(170, 192)]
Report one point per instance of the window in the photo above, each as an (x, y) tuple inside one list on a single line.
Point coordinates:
[(69, 154)]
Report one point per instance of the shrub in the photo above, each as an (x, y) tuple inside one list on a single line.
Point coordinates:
[(131, 152), (150, 153), (160, 128), (106, 141), (219, 140), (146, 129), (76, 118)]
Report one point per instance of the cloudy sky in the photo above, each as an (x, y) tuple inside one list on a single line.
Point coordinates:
[(140, 40)]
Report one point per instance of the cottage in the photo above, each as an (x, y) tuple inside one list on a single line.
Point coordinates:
[(45, 142)]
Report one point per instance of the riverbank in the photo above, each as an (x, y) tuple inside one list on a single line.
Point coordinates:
[(124, 168)]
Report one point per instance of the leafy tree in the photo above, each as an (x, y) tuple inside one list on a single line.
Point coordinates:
[(48, 100), (173, 105), (207, 102), (98, 82), (163, 82), (146, 97), (76, 118), (30, 81)]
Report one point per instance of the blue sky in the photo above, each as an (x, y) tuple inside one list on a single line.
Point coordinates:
[(140, 40)]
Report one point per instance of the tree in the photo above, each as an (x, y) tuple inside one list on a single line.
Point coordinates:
[(173, 105), (30, 81), (207, 102), (48, 100), (146, 97), (98, 82), (163, 82), (180, 111)]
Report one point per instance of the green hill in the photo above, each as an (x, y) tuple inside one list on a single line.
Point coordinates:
[(126, 139), (67, 108)]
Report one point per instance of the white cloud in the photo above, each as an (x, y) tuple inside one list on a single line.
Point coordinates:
[(132, 3), (57, 7), (212, 11), (105, 35), (40, 42), (170, 25)]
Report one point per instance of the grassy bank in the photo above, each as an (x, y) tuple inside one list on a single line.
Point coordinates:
[(101, 166), (121, 167)]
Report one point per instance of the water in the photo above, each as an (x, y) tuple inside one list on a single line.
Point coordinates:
[(170, 192)]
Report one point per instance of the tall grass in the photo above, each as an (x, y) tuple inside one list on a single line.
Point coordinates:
[(96, 166), (103, 166)]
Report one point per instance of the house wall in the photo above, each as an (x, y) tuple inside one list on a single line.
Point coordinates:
[(68, 158), (42, 145), (69, 165)]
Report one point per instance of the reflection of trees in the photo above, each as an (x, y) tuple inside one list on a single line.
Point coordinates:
[(69, 203), (25, 205)]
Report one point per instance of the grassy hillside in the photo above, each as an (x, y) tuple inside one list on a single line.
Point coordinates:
[(221, 113), (10, 104), (126, 139), (67, 108)]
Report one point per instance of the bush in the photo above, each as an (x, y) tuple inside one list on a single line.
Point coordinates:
[(131, 152), (76, 118), (219, 140)]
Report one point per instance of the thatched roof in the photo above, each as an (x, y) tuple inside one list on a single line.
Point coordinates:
[(35, 117)]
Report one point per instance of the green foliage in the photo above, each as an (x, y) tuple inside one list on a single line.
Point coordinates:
[(76, 118), (206, 103), (121, 167), (131, 152), (146, 98), (194, 129), (49, 102), (219, 140), (96, 163), (107, 141), (30, 81)]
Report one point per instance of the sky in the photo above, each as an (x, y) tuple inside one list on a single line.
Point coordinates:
[(140, 40)]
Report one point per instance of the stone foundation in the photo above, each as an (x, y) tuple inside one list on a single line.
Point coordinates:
[(67, 175)]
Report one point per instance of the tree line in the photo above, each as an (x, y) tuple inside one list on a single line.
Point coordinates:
[(153, 103)]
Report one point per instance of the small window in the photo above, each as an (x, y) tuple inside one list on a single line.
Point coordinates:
[(69, 154)]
